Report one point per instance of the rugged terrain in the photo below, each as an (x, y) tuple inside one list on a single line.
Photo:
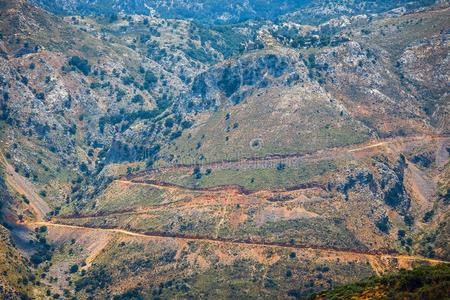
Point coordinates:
[(165, 151)]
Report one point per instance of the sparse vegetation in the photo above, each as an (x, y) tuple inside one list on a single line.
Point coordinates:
[(284, 148), (424, 282)]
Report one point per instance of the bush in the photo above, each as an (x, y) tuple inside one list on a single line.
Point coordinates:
[(428, 216), (40, 96), (43, 252), (186, 124), (73, 269), (120, 94), (137, 99), (424, 282), (134, 294), (25, 199), (281, 166), (81, 64), (149, 79), (197, 172), (175, 135), (383, 224), (409, 220), (97, 278), (84, 168), (169, 123)]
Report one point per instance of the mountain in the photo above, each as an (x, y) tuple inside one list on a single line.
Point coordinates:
[(231, 11), (200, 149)]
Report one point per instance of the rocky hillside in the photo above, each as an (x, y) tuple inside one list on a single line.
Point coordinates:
[(205, 139), (16, 276), (232, 11)]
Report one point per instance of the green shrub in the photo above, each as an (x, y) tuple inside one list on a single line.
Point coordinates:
[(81, 64), (150, 79), (137, 99), (73, 269), (383, 224)]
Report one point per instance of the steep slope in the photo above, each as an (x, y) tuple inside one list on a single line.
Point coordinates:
[(177, 158), (17, 280), (57, 86)]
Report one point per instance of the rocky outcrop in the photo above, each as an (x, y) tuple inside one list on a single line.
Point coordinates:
[(391, 184), (232, 82)]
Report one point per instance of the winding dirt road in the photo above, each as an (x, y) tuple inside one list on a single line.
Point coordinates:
[(156, 235), (41, 208)]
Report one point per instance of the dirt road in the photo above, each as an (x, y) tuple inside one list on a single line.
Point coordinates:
[(271, 161), (41, 208), (160, 235)]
